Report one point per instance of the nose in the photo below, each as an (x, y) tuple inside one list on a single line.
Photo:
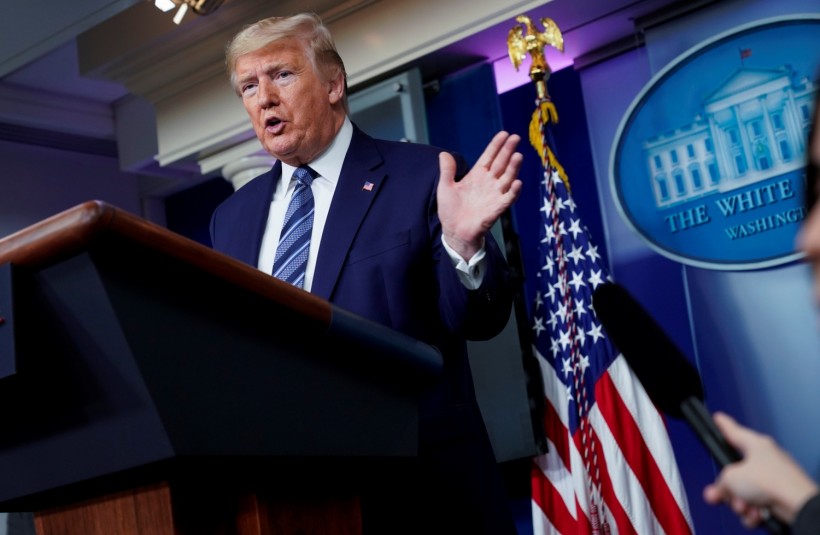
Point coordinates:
[(266, 93)]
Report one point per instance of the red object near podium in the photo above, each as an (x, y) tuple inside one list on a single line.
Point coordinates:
[(152, 386)]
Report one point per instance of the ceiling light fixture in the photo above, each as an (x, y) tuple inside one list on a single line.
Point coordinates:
[(200, 7)]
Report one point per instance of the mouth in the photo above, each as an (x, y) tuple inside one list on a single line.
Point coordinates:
[(273, 124)]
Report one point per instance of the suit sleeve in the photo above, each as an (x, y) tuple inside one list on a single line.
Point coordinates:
[(482, 313), (808, 517)]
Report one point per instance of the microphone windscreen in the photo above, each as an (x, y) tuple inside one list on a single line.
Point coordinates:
[(665, 373)]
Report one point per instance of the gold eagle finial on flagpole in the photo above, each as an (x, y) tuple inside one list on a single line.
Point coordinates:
[(525, 39), (519, 44)]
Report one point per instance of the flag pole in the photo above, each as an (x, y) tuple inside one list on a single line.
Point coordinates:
[(519, 45)]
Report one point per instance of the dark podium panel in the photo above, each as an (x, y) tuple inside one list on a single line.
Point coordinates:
[(150, 385)]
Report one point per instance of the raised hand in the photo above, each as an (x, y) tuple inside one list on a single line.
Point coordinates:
[(472, 205)]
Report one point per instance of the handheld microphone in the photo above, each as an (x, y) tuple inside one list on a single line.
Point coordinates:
[(671, 382)]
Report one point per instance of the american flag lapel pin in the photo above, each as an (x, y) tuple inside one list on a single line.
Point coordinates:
[(368, 186)]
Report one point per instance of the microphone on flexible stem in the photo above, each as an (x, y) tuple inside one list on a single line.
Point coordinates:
[(671, 382)]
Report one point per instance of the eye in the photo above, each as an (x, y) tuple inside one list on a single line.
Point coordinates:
[(248, 89)]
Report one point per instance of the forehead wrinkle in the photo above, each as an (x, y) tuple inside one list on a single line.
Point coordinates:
[(258, 68)]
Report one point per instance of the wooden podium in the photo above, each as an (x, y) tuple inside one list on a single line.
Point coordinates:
[(152, 386)]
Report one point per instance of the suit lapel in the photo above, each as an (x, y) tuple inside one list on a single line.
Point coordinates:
[(359, 182), (243, 218), (256, 212)]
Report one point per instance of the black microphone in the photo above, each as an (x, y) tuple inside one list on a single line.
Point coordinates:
[(671, 382)]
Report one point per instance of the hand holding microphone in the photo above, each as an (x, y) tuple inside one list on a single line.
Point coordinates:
[(767, 476), (671, 382)]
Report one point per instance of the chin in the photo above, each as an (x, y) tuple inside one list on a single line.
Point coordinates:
[(276, 150)]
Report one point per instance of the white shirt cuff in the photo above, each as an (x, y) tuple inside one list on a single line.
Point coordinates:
[(470, 273)]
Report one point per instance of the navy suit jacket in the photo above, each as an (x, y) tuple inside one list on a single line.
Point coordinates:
[(381, 257)]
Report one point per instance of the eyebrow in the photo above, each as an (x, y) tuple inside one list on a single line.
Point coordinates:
[(269, 67)]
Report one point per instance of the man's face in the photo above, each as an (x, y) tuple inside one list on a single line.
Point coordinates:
[(294, 112)]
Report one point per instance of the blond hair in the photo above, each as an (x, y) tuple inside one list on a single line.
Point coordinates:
[(306, 27)]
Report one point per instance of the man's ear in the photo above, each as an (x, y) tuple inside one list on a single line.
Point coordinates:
[(336, 88)]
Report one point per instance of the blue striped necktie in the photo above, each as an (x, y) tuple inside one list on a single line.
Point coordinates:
[(290, 261)]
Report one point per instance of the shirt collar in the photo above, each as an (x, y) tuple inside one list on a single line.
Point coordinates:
[(329, 163)]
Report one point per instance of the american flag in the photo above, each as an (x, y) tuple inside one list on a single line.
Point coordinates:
[(610, 467)]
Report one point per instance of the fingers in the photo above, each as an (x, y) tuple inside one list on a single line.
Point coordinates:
[(515, 187), (513, 167), (737, 435), (724, 423), (729, 427), (712, 494), (490, 152), (500, 153), (507, 161), (715, 493), (748, 514)]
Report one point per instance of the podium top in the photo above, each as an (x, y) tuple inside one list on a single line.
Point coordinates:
[(74, 230)]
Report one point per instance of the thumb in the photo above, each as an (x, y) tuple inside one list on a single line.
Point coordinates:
[(735, 434), (447, 168)]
